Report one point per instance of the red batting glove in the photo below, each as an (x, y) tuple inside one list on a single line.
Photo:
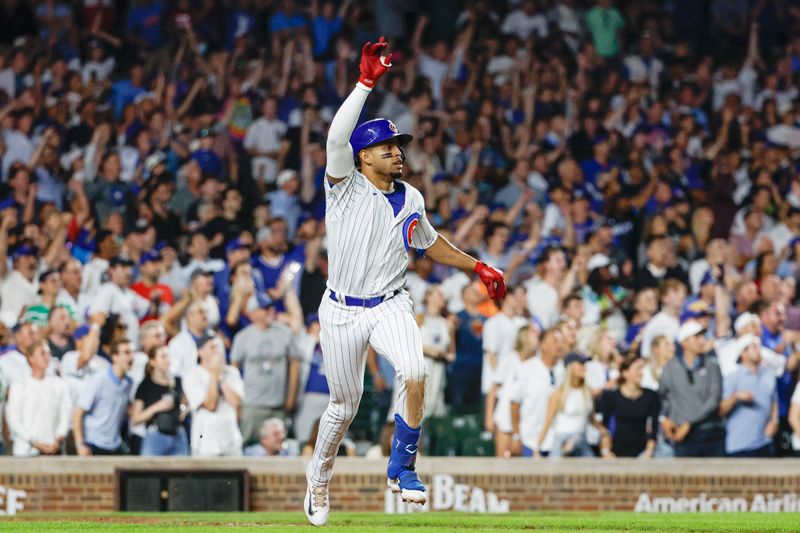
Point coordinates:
[(493, 279), (373, 64)]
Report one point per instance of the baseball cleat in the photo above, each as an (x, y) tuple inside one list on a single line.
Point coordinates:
[(413, 491), (316, 504)]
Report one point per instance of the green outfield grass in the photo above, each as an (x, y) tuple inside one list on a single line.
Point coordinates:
[(428, 522)]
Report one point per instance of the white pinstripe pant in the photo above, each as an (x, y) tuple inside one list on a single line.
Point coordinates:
[(391, 329)]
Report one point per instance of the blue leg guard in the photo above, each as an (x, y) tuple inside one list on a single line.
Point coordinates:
[(404, 455)]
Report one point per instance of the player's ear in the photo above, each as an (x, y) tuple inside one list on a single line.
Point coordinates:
[(366, 156)]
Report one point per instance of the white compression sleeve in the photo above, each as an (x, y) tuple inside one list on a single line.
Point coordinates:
[(339, 151)]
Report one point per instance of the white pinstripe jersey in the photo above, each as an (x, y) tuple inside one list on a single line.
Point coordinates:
[(367, 243)]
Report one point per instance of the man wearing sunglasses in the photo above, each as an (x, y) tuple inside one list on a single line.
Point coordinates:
[(691, 391)]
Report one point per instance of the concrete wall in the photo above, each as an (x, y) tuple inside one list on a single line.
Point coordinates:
[(89, 484)]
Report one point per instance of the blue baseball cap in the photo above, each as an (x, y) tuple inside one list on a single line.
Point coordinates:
[(696, 309), (709, 279), (377, 131), (235, 244), (311, 318), (149, 257), (25, 249)]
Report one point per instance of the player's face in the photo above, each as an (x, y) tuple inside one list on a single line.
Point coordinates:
[(385, 159)]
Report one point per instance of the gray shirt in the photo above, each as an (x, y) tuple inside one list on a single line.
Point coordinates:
[(105, 400), (263, 355), (692, 395)]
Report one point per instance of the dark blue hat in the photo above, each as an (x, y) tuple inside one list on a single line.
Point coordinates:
[(311, 318), (149, 257), (25, 249), (376, 131), (235, 244), (709, 279), (80, 333)]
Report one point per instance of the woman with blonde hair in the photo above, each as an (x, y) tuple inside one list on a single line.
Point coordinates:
[(570, 411), (600, 344), (437, 347), (662, 350), (497, 416)]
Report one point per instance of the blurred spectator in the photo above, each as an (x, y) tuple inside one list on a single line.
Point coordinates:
[(662, 349), (605, 24), (437, 348), (39, 407), (464, 376), (116, 296), (13, 362), (161, 405), (749, 404), (214, 391), (500, 333), (691, 390), (266, 354), (794, 420), (148, 287), (70, 295), (570, 410), (183, 346), (271, 440), (81, 365), (497, 417), (665, 322), (103, 405), (630, 412), (538, 378), (19, 288), (265, 142), (59, 332), (313, 392)]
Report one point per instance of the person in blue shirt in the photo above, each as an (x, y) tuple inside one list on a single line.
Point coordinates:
[(326, 24), (125, 91), (103, 405), (286, 18), (749, 404), (773, 317), (464, 375), (210, 163), (144, 24)]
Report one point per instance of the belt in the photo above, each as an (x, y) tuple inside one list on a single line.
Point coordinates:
[(363, 302)]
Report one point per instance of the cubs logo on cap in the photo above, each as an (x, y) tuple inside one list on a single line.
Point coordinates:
[(392, 126)]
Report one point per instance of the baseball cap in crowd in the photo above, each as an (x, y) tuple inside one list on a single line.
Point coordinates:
[(205, 339), (260, 301), (122, 260), (80, 333), (154, 160), (690, 328), (304, 217), (204, 132), (575, 357), (149, 257), (25, 249), (744, 320), (709, 279), (535, 322), (36, 314), (235, 244), (311, 318), (6, 203), (285, 176), (744, 341), (696, 309), (140, 226), (598, 261), (197, 272), (46, 274)]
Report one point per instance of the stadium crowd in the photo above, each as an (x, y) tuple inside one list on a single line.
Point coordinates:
[(633, 169)]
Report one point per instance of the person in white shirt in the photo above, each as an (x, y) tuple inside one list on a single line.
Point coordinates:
[(39, 408), (265, 142), (183, 346), (728, 349), (570, 412), (524, 21), (544, 290), (538, 378), (116, 296), (214, 391), (19, 288), (19, 147), (199, 259), (70, 295), (500, 334), (94, 271), (13, 363), (665, 322), (438, 349), (497, 416)]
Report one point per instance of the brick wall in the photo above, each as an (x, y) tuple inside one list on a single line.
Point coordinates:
[(88, 484)]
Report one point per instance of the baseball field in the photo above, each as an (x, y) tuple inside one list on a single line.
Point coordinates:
[(372, 522)]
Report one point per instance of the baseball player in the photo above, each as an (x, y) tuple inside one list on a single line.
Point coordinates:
[(373, 219)]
